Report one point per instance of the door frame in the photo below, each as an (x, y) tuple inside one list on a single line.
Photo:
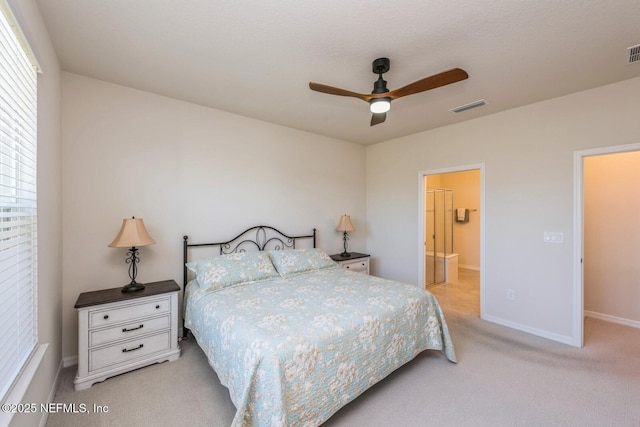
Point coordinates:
[(421, 222), (578, 231)]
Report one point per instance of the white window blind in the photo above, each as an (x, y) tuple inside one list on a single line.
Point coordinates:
[(18, 221)]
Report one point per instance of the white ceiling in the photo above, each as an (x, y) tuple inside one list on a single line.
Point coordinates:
[(256, 58)]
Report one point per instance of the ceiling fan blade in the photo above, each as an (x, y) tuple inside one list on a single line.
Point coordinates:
[(377, 118), (319, 87), (437, 80)]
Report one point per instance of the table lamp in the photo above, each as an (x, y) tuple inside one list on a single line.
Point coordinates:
[(345, 226), (132, 234)]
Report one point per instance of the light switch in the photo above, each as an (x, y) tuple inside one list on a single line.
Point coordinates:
[(553, 237)]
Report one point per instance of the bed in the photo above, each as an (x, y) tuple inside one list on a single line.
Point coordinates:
[(293, 336)]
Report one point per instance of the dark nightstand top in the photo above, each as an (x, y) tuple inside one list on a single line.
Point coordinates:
[(354, 255), (87, 299)]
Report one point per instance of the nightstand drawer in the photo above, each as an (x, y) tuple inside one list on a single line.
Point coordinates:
[(126, 313), (128, 350), (359, 265), (129, 330)]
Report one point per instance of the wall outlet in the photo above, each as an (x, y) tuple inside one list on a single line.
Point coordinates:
[(511, 294)]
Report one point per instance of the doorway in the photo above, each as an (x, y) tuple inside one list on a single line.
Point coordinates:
[(606, 236), (451, 240)]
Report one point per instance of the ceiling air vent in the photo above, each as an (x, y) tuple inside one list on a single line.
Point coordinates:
[(469, 106), (633, 54)]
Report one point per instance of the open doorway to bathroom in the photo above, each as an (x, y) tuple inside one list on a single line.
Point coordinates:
[(451, 249)]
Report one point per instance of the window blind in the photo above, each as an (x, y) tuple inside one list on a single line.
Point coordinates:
[(18, 205)]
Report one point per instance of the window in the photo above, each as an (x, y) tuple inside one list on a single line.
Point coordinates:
[(18, 207)]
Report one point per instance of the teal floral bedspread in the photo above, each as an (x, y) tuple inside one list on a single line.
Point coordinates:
[(294, 351)]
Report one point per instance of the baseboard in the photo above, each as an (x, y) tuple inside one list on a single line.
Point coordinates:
[(69, 361), (469, 267), (613, 319), (52, 394), (533, 331)]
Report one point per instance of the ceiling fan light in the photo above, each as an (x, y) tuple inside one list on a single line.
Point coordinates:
[(380, 105)]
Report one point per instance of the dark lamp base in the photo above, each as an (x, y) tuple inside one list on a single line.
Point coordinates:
[(133, 287), (345, 254)]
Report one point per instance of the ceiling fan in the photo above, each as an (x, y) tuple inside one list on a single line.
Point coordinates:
[(380, 98)]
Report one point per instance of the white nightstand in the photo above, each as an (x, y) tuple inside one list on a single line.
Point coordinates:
[(119, 332), (356, 262)]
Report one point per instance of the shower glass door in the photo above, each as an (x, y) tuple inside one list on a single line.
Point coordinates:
[(438, 233), (430, 239)]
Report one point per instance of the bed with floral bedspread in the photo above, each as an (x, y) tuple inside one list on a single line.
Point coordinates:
[(294, 337)]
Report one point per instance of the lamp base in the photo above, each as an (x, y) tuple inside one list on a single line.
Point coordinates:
[(133, 287), (345, 254)]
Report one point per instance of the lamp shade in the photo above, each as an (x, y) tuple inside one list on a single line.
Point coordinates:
[(132, 233), (345, 224)]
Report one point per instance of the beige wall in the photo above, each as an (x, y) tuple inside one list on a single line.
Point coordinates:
[(528, 157), (466, 194), (187, 169), (611, 236), (41, 388)]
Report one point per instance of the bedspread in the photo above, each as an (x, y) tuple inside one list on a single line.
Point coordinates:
[(293, 351)]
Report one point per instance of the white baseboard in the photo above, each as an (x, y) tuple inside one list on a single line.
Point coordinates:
[(52, 395), (69, 361), (613, 319), (533, 331), (469, 267)]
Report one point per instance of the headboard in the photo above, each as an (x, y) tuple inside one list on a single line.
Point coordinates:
[(258, 238)]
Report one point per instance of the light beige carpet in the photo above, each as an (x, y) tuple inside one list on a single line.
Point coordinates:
[(503, 378)]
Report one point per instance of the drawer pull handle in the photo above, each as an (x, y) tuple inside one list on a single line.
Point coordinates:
[(132, 329), (127, 350), (157, 306), (106, 316)]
